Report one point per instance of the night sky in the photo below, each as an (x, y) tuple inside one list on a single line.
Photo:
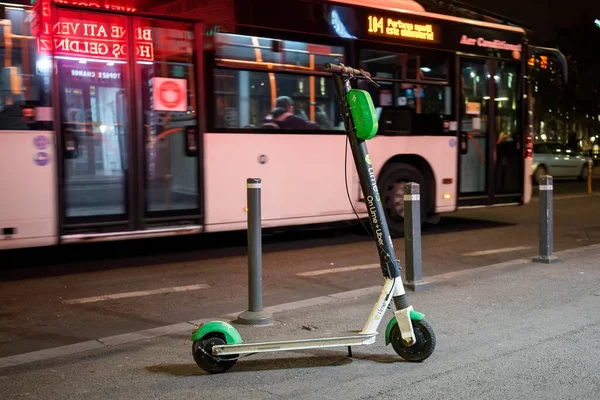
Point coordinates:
[(541, 15)]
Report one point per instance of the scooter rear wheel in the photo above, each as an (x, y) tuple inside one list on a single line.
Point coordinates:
[(202, 352), (423, 347)]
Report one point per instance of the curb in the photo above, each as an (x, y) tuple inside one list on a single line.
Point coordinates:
[(116, 340)]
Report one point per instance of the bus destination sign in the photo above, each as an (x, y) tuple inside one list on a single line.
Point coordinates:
[(401, 28)]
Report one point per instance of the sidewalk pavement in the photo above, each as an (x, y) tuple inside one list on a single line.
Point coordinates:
[(511, 330)]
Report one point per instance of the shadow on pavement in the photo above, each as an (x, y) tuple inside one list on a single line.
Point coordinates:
[(459, 224), (255, 365)]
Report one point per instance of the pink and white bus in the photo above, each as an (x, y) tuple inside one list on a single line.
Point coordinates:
[(135, 119)]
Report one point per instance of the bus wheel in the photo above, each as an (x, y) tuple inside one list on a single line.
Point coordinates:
[(391, 185)]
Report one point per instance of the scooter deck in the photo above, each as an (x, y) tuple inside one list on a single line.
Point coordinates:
[(352, 338)]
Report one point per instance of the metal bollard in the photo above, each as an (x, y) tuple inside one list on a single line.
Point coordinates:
[(255, 315), (546, 222), (589, 177), (412, 237)]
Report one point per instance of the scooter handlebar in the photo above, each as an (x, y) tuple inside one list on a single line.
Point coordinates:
[(344, 69)]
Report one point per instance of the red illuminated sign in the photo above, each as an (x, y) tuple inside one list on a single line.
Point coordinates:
[(171, 94), (41, 17), (95, 40), (96, 4)]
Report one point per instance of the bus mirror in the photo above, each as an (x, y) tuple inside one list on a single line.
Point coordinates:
[(191, 141)]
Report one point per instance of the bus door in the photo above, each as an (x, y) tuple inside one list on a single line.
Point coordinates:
[(125, 118), (490, 140)]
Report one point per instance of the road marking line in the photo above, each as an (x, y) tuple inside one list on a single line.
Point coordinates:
[(135, 294), (496, 251), (340, 269), (574, 196)]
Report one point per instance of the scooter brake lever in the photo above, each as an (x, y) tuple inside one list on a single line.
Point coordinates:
[(371, 81)]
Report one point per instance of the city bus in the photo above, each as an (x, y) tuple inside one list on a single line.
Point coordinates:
[(136, 119)]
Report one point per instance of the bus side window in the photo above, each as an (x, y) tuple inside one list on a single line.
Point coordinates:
[(24, 76), (271, 84), (400, 75), (282, 101)]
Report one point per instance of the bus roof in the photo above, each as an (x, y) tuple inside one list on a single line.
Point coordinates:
[(413, 8)]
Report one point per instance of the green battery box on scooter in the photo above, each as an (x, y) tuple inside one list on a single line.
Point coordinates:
[(363, 113)]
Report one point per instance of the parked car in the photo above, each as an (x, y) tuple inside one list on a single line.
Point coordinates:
[(559, 161)]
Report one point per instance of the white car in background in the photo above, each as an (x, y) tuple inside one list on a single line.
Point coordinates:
[(559, 161)]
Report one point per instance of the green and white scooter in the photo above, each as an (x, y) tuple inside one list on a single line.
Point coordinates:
[(217, 345)]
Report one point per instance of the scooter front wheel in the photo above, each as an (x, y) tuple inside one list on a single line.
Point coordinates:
[(202, 352), (421, 349)]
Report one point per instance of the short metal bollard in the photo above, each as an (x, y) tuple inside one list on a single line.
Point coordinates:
[(546, 222), (255, 315), (412, 237)]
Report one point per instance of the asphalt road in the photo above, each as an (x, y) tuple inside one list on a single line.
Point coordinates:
[(518, 331), (42, 290)]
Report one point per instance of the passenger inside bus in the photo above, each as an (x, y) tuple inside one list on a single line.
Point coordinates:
[(283, 117)]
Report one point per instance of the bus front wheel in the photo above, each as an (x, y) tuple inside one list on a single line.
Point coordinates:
[(391, 184)]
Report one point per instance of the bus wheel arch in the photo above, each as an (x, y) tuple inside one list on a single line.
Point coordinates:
[(397, 171)]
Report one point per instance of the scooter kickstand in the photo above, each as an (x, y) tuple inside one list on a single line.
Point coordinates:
[(350, 351)]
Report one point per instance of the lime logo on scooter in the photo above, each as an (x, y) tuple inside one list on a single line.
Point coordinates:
[(373, 182), (372, 177), (371, 202)]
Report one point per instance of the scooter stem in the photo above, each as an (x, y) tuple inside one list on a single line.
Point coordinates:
[(390, 266)]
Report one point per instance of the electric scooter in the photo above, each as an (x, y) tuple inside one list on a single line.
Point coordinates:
[(217, 345)]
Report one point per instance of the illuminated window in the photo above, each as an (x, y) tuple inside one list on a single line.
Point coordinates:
[(400, 76), (273, 54), (265, 84), (24, 74), (238, 107), (507, 112)]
